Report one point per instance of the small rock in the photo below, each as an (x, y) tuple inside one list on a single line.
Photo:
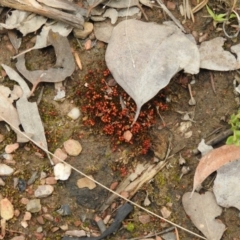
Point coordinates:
[(8, 156), (39, 229), (103, 31), (43, 175), (144, 219), (16, 212), (54, 229), (98, 18), (24, 201), (51, 180), (85, 182), (18, 238), (2, 183), (64, 227), (82, 34), (5, 170), (15, 182), (165, 212), (11, 147), (32, 178), (33, 205), (59, 153), (171, 5), (22, 185), (72, 147), (127, 135), (43, 191), (24, 224), (64, 210), (40, 220), (48, 217), (39, 236), (74, 113), (76, 233), (27, 216), (62, 171), (6, 209)]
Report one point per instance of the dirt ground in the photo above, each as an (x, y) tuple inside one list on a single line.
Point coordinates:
[(211, 115)]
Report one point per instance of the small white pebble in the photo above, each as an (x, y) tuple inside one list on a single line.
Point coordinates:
[(74, 113)]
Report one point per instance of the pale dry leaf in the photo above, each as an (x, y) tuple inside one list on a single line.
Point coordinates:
[(28, 111), (9, 113), (143, 57), (86, 183), (25, 22), (213, 160), (64, 66), (204, 148), (226, 188), (203, 210), (214, 57)]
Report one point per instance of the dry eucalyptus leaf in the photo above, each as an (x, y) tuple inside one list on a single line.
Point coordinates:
[(203, 210), (214, 57), (28, 111), (64, 66), (9, 113), (143, 57), (41, 41), (25, 22), (213, 160), (226, 188)]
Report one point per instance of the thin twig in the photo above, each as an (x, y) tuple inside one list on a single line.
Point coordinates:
[(199, 6), (164, 124), (238, 27), (212, 83), (170, 15), (103, 186)]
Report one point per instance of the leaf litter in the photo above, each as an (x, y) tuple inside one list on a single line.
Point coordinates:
[(140, 106), (203, 210)]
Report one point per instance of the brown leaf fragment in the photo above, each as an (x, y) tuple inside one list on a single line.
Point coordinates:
[(213, 160)]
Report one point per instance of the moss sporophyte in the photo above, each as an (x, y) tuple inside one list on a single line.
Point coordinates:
[(110, 109)]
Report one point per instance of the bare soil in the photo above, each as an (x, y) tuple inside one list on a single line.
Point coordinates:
[(211, 113)]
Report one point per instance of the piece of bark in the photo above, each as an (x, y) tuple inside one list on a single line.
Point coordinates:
[(76, 21)]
